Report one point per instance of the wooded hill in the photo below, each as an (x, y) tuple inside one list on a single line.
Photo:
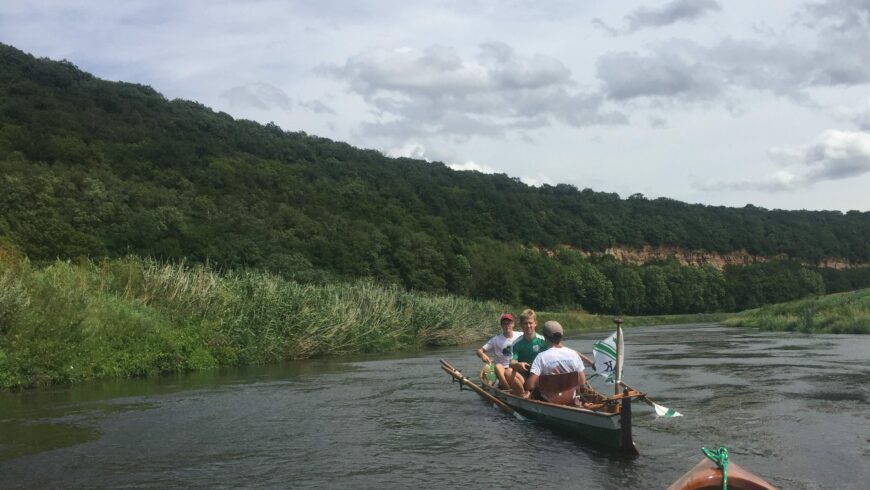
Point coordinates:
[(105, 169)]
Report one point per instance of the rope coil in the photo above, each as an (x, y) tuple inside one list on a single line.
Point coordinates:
[(719, 457)]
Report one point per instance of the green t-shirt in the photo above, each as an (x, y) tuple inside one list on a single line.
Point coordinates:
[(527, 350)]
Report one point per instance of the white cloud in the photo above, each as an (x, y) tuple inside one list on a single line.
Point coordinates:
[(536, 180), (409, 150), (837, 155), (471, 165), (834, 155)]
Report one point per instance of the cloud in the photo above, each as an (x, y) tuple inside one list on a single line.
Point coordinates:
[(317, 107), (409, 150), (834, 155), (666, 73), (421, 152), (859, 115), (536, 180), (675, 11), (833, 53), (604, 27), (684, 70), (657, 122), (258, 95), (436, 91), (846, 15), (473, 166)]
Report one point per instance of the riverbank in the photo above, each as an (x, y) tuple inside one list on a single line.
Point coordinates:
[(575, 321), (68, 322), (834, 313)]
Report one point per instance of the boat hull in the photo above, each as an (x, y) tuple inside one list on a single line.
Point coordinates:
[(600, 428), (707, 476)]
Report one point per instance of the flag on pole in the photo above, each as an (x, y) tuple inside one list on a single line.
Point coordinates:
[(604, 354)]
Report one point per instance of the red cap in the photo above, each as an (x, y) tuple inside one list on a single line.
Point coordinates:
[(506, 316)]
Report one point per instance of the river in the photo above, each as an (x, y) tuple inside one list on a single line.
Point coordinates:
[(792, 408)]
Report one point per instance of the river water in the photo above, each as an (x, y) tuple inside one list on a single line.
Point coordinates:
[(792, 408)]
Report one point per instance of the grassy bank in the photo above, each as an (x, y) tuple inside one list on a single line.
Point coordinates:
[(68, 322), (834, 313), (580, 321)]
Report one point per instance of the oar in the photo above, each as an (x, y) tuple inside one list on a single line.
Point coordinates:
[(661, 411), (457, 374)]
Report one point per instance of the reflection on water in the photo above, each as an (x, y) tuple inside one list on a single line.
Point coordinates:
[(792, 408)]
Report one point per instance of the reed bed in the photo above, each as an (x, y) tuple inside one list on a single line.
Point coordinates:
[(582, 321), (834, 313), (72, 321)]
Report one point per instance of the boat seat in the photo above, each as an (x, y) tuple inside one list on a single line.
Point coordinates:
[(558, 388)]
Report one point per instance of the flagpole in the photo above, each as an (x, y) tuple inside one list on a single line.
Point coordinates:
[(617, 373)]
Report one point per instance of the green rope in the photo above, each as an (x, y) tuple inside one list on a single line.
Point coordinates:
[(719, 457)]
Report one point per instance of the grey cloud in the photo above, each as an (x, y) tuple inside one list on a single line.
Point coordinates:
[(862, 121), (657, 122), (859, 115), (606, 28), (846, 14), (317, 107), (664, 74), (676, 10), (788, 69), (258, 95), (438, 92), (683, 70), (837, 155), (834, 155)]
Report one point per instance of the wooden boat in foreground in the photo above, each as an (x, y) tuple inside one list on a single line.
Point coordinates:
[(606, 420), (706, 475)]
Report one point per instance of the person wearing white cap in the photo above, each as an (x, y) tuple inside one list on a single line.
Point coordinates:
[(557, 360), (501, 348)]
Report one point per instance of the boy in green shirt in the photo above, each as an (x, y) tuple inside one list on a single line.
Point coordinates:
[(525, 350)]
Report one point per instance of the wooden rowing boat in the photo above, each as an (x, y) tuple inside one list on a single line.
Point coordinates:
[(706, 475), (605, 421)]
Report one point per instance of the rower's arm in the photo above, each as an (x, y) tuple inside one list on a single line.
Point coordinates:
[(483, 357), (532, 382)]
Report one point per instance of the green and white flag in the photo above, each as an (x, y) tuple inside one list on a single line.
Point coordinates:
[(604, 354)]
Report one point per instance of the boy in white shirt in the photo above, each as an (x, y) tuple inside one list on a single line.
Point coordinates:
[(500, 347), (558, 359)]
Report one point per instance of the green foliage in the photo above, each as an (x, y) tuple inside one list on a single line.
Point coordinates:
[(68, 322), (99, 169), (834, 313)]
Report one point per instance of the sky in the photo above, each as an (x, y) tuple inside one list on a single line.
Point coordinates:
[(703, 101)]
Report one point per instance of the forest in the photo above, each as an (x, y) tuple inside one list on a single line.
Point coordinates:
[(95, 169)]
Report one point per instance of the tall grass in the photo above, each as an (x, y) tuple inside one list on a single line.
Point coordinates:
[(579, 321), (67, 322), (833, 313)]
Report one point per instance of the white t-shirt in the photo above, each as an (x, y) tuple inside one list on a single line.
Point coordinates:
[(557, 360), (500, 346)]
